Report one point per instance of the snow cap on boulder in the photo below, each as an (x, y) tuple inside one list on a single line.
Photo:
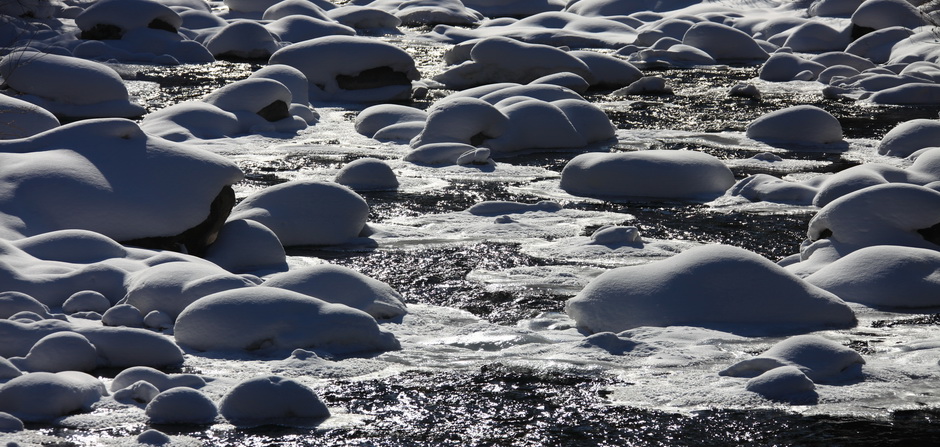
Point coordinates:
[(693, 289)]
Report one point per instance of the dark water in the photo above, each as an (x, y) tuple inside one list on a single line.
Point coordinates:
[(500, 405)]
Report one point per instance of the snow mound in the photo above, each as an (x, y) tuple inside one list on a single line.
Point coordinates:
[(86, 301), (555, 28), (181, 406), (172, 286), (10, 423), (241, 39), (245, 246), (62, 393), (502, 118), (22, 119), (67, 86), (501, 59), (111, 19), (662, 174), (12, 302), (884, 276), (724, 43), (264, 318), (361, 69), (159, 379), (59, 351), (123, 315), (821, 359), (89, 175), (887, 214), (909, 137), (307, 212), (803, 124), (785, 383), (122, 347), (367, 174), (342, 285), (881, 14), (272, 400), (693, 289)]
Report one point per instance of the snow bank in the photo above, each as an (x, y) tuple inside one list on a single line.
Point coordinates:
[(361, 69), (67, 86), (272, 400), (693, 289), (785, 383), (884, 276), (660, 174), (62, 393), (803, 124), (272, 318), (342, 285), (306, 212), (90, 175)]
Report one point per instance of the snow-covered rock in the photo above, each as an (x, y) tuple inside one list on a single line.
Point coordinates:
[(367, 174), (361, 69), (23, 119), (693, 289), (660, 174), (246, 246), (306, 212), (822, 360), (67, 86), (909, 137), (342, 285), (172, 286), (803, 124), (884, 276), (159, 379), (785, 383), (181, 405), (89, 175), (724, 43), (59, 351), (62, 393), (507, 117), (265, 318), (888, 214), (12, 302), (271, 399), (123, 315)]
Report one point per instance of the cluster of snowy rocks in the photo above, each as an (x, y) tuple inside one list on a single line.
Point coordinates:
[(79, 200)]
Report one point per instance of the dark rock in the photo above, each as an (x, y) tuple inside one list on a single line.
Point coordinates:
[(103, 31), (162, 25), (373, 78), (196, 239), (275, 111)]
